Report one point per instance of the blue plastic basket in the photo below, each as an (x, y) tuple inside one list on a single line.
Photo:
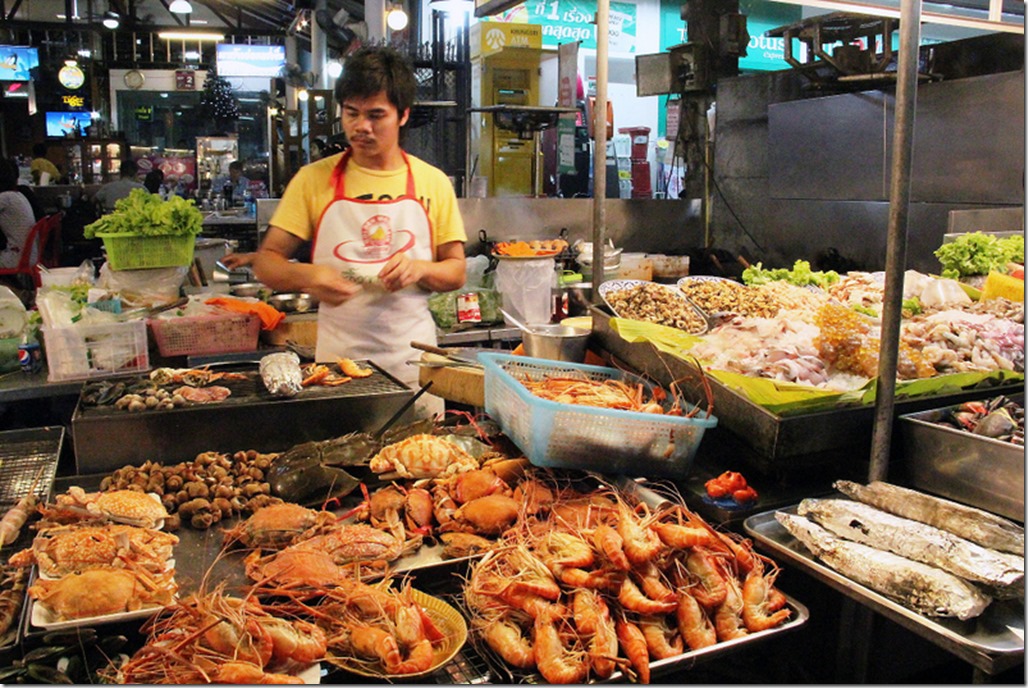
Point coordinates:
[(584, 437)]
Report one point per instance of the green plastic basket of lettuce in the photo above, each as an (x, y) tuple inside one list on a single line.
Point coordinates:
[(145, 231)]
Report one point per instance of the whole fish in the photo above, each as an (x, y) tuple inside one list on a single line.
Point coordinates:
[(920, 587), (915, 540), (977, 525)]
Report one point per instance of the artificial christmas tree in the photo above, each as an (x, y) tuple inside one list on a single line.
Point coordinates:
[(217, 102)]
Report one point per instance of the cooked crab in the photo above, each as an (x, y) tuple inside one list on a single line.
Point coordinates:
[(423, 456), (278, 525), (103, 591), (141, 509), (75, 548)]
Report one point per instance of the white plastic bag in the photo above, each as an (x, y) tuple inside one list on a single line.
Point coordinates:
[(143, 288), (524, 286), (12, 314)]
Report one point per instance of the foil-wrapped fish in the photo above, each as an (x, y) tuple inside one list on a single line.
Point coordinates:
[(920, 587), (914, 540), (281, 374), (977, 525)]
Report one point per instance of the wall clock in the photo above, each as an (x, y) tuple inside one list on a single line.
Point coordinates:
[(134, 79)]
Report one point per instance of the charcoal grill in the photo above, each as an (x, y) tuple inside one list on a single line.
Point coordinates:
[(106, 438)]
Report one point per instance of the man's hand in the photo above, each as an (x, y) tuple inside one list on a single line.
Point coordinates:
[(400, 272), (328, 286), (237, 260)]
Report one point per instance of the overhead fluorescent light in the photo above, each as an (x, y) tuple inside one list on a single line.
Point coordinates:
[(191, 36), (111, 20), (926, 17), (180, 7)]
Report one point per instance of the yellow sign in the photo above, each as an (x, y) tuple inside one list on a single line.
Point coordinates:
[(71, 77), (73, 101), (488, 38)]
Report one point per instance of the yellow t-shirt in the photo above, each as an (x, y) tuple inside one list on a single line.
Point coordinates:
[(312, 189), (40, 165)]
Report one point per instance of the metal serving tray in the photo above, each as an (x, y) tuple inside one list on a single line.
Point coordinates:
[(107, 438), (819, 438), (992, 642), (971, 469)]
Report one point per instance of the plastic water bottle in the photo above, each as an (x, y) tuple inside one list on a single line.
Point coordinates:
[(249, 203)]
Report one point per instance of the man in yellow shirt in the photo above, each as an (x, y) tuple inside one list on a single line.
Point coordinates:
[(40, 164), (384, 227)]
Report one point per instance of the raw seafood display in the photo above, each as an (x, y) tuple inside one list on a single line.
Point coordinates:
[(655, 303)]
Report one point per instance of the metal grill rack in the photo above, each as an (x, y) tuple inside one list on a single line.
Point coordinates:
[(24, 455)]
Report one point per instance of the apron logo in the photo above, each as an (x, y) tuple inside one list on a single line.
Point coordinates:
[(377, 235)]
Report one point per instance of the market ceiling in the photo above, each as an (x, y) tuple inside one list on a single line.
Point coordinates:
[(240, 16)]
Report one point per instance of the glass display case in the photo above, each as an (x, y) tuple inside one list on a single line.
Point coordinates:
[(93, 161)]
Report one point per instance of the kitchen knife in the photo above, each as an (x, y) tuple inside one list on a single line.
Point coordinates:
[(466, 356)]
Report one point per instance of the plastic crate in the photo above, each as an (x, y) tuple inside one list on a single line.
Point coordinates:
[(131, 251), (89, 351), (584, 437), (206, 334)]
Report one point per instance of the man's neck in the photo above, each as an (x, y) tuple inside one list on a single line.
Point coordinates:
[(385, 162)]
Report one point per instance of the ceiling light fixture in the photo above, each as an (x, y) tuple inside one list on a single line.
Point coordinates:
[(191, 36), (334, 69), (886, 10), (180, 7), (452, 6), (396, 18), (111, 20), (302, 95)]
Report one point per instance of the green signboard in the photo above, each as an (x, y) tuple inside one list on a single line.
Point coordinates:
[(567, 21)]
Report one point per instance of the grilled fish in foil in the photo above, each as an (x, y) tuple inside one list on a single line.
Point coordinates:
[(925, 589), (281, 374), (866, 524), (978, 526)]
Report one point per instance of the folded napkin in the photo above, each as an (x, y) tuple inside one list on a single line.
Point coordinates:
[(270, 316)]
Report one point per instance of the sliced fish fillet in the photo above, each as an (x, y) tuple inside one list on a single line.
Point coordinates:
[(920, 587), (977, 525)]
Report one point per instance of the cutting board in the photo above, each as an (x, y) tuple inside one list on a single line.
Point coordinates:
[(459, 384), (301, 328)]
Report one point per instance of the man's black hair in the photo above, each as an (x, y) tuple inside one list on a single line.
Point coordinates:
[(235, 165), (373, 70)]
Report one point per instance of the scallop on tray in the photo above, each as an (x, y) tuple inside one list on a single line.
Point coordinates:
[(652, 302)]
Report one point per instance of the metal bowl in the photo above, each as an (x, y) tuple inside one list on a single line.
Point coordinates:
[(292, 303), (556, 342), (247, 289)]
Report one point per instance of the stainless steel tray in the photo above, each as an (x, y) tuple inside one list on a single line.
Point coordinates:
[(778, 441), (976, 470), (992, 642)]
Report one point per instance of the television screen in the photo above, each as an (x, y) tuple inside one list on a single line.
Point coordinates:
[(17, 62), (60, 124), (250, 60)]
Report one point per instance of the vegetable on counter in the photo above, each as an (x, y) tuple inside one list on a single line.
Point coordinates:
[(801, 275), (145, 214), (976, 253)]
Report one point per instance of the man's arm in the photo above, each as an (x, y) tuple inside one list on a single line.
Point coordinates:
[(273, 267)]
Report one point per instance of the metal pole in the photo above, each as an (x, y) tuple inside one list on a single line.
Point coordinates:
[(600, 150), (896, 247)]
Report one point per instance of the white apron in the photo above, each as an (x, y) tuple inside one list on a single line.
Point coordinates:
[(358, 237)]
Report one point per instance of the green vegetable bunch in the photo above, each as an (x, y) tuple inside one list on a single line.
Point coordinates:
[(978, 254), (801, 275), (145, 214)]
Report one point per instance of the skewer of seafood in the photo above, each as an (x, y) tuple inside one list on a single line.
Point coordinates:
[(12, 595), (923, 588), (914, 540), (14, 519), (978, 526)]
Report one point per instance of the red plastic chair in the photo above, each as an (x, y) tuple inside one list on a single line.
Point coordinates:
[(33, 253)]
